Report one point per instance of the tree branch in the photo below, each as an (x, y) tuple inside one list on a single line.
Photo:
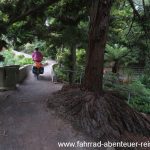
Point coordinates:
[(32, 11), (143, 2), (70, 20), (131, 25), (134, 9), (55, 28), (140, 17)]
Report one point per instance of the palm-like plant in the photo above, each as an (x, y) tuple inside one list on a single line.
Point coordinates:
[(116, 54)]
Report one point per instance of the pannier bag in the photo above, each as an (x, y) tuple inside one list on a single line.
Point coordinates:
[(36, 70)]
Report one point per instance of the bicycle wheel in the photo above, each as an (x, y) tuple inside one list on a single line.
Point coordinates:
[(37, 76), (38, 73)]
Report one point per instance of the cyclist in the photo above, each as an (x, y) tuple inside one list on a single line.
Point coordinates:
[(37, 57)]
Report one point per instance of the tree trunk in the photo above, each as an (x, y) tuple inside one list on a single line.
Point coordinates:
[(115, 67), (99, 15), (72, 64)]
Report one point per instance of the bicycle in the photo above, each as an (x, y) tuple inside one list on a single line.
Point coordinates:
[(37, 69)]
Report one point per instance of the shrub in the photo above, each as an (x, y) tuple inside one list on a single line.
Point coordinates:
[(145, 79), (25, 61), (11, 59), (140, 96), (60, 73), (136, 93), (62, 70)]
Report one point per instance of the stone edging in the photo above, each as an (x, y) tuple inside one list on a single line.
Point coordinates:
[(23, 72)]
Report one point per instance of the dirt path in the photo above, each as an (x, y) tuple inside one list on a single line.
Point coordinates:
[(25, 121)]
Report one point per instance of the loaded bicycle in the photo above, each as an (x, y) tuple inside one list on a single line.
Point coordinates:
[(37, 69)]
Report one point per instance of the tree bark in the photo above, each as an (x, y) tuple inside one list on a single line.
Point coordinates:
[(99, 18), (115, 67)]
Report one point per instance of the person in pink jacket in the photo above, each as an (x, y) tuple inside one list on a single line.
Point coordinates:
[(37, 55)]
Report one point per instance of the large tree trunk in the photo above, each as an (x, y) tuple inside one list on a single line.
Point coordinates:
[(99, 15), (72, 64)]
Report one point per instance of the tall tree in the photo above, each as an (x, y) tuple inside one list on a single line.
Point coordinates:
[(99, 21), (103, 115)]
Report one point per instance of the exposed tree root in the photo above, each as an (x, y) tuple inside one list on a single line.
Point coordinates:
[(107, 117)]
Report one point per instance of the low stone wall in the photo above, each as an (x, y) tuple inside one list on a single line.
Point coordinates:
[(9, 77), (23, 72)]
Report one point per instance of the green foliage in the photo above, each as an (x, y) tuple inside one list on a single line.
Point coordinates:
[(128, 31), (81, 53), (121, 14), (24, 61), (141, 97), (120, 54), (115, 52), (63, 58), (28, 48), (145, 79), (110, 80), (61, 74), (138, 87), (9, 57), (48, 50), (136, 93), (12, 59), (62, 69), (42, 45)]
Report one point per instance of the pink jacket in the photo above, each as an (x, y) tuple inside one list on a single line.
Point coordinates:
[(37, 56)]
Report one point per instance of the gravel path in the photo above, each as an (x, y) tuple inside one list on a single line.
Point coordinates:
[(25, 121)]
